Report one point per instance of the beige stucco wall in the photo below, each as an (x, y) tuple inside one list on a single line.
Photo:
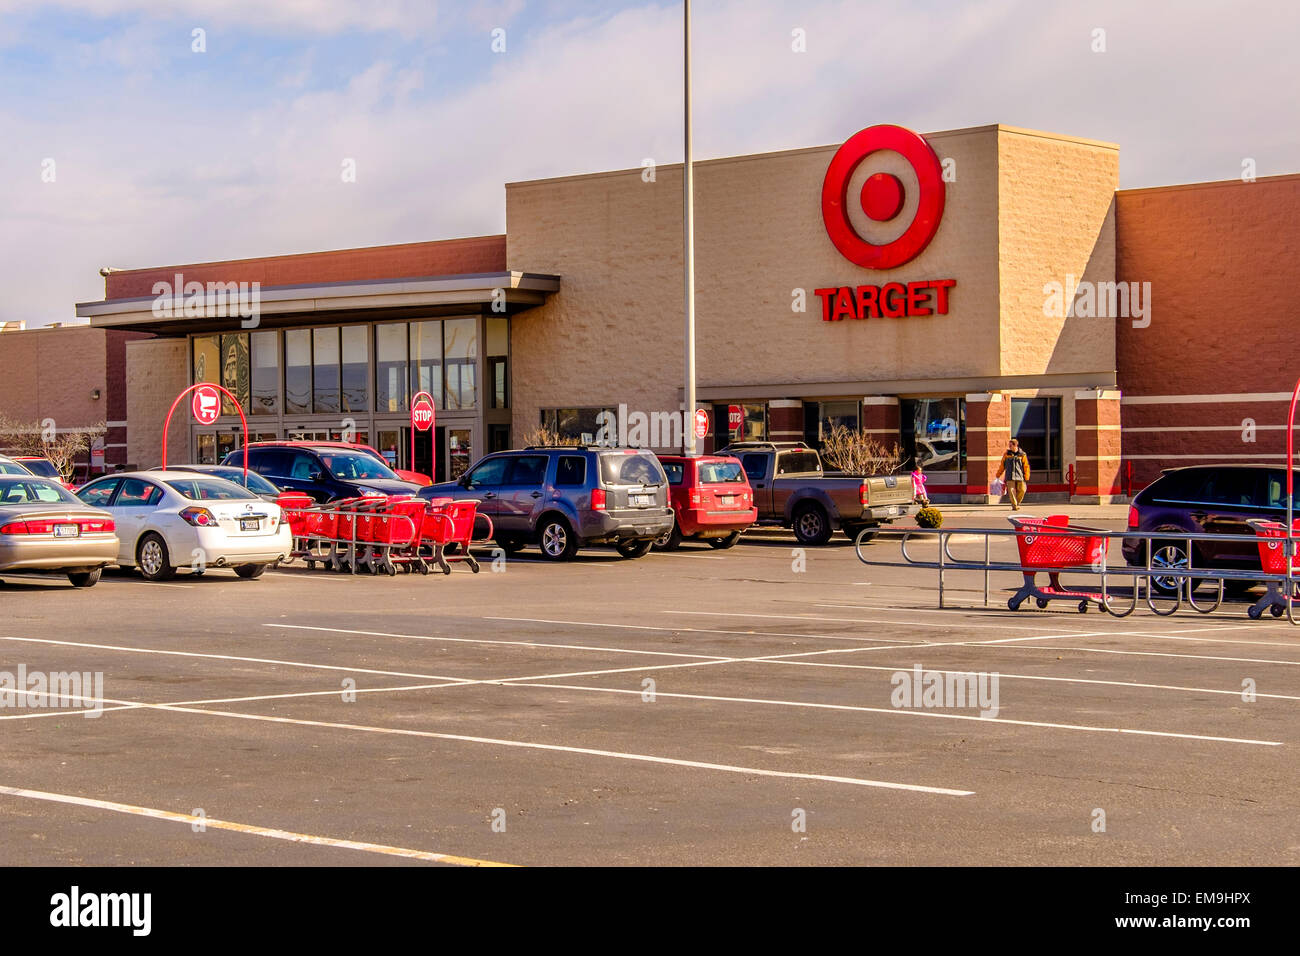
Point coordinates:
[(1022, 207), (1056, 218), (156, 372), (52, 373)]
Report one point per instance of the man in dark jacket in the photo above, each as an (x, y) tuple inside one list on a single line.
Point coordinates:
[(1015, 463)]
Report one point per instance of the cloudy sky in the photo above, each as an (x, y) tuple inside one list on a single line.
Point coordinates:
[(159, 154)]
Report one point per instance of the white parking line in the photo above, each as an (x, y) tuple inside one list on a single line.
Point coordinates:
[(910, 712), (1193, 657), (246, 828), (1034, 677), (226, 657), (955, 625), (697, 630), (487, 640), (561, 748)]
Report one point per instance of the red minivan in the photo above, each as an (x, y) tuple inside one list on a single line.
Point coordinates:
[(711, 500)]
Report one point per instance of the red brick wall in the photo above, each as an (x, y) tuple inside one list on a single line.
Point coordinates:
[(409, 260), (1221, 258)]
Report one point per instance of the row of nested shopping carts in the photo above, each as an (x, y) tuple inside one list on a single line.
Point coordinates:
[(382, 534), (1040, 550)]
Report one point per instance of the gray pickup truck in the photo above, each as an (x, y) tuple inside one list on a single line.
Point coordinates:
[(792, 490)]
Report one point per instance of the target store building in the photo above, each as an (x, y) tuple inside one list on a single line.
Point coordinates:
[(942, 292)]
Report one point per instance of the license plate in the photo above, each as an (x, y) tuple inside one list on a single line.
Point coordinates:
[(248, 524), (640, 501), (727, 499), (66, 530)]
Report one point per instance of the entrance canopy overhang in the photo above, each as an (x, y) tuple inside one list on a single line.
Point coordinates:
[(322, 303)]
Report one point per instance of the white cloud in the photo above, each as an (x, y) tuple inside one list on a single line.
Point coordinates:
[(145, 180)]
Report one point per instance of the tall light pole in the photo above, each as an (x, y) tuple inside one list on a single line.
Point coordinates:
[(688, 218)]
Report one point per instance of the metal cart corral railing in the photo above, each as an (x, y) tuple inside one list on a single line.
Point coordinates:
[(1282, 585)]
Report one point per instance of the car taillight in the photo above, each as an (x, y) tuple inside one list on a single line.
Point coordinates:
[(1133, 520), (598, 499), (199, 517), (863, 495), (696, 501), (28, 527), (96, 525)]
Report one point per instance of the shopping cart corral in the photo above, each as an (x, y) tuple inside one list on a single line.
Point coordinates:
[(383, 534), (1053, 546)]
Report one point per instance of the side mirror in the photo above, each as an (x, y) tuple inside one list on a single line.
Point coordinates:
[(463, 481), (317, 476)]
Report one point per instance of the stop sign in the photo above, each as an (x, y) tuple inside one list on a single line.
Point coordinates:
[(422, 412), (735, 417), (206, 405), (701, 422)]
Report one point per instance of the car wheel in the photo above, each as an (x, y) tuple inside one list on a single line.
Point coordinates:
[(670, 540), (634, 548), (152, 559), (852, 531), (723, 543), (811, 525), (250, 570), (85, 579), (1169, 555), (510, 545), (556, 539)]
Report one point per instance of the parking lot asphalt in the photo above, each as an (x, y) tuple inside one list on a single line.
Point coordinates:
[(698, 707)]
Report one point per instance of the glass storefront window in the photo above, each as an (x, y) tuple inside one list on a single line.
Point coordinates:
[(459, 453), (1036, 424), (389, 440), (206, 448), (498, 348), (933, 432), (297, 371), (207, 360), (325, 370), (234, 372), (830, 414), (356, 368), (460, 357), (573, 423), (390, 367), (265, 348), (426, 360)]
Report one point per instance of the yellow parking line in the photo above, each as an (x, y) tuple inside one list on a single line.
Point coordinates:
[(248, 828)]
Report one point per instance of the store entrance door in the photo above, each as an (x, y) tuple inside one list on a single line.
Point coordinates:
[(423, 451)]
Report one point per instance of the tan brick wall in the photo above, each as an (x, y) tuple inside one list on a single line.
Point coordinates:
[(51, 373), (156, 372), (614, 331), (1055, 218)]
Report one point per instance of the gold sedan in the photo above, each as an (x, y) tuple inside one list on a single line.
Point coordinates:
[(45, 529)]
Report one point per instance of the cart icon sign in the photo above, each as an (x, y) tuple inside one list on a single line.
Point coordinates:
[(206, 406)]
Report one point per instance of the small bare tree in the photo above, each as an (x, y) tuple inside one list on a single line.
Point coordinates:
[(545, 436), (857, 453), (62, 448)]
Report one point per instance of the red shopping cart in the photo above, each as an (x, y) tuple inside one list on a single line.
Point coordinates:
[(1054, 553), (1272, 560), (448, 522), (392, 536)]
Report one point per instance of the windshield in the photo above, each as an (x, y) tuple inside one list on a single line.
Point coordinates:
[(13, 468), (635, 469), (41, 466), (356, 466), (209, 489), (256, 483), (720, 472), (17, 491)]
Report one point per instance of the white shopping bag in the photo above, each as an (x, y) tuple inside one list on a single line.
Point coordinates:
[(998, 488)]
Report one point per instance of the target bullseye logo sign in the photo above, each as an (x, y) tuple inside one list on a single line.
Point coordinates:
[(882, 198)]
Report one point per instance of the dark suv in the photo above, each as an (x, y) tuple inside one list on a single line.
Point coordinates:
[(326, 473), (1209, 499), (565, 497)]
